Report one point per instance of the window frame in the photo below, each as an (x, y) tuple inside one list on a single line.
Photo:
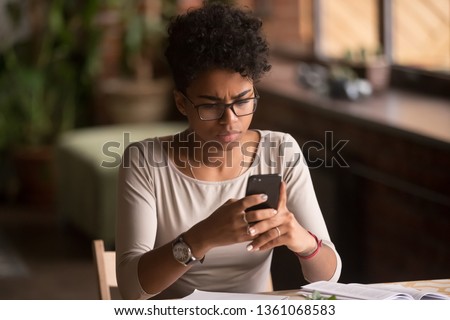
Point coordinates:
[(410, 78)]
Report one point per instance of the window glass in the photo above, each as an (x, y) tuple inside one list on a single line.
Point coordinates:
[(421, 34), (348, 27)]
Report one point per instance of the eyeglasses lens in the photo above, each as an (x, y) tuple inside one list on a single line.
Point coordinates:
[(215, 111)]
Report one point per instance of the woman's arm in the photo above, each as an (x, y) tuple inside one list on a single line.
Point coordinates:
[(322, 266)]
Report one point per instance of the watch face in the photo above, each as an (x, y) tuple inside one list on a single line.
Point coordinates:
[(181, 252)]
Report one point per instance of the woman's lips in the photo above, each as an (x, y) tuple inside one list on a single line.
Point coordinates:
[(228, 136)]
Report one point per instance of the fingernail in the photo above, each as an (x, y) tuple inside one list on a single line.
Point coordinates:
[(264, 196), (275, 212), (252, 231), (250, 248)]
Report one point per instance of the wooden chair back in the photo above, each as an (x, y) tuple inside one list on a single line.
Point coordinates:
[(105, 264)]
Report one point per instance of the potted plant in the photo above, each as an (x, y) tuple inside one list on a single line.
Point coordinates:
[(140, 92), (371, 66), (45, 78)]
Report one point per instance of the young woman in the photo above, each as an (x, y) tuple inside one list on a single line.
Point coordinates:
[(182, 220)]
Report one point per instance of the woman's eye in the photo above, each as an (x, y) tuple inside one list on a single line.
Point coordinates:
[(242, 102), (209, 106)]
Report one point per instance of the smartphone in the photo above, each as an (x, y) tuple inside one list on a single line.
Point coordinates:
[(264, 183)]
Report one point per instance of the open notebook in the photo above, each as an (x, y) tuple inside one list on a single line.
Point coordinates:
[(358, 291)]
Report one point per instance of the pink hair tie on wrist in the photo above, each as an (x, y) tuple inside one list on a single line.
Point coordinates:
[(312, 254)]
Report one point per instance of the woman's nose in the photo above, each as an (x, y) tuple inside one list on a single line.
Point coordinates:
[(228, 116)]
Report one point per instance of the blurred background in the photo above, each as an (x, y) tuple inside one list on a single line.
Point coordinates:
[(363, 85)]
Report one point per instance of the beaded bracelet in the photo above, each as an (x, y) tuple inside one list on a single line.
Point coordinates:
[(312, 254)]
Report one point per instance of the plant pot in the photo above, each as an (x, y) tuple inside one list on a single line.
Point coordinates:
[(130, 101), (377, 73), (35, 174)]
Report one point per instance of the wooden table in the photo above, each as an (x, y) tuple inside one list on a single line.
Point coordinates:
[(441, 286)]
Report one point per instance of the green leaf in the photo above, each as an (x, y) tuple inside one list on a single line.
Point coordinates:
[(316, 295)]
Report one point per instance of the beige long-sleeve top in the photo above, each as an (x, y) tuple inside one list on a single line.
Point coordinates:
[(157, 203)]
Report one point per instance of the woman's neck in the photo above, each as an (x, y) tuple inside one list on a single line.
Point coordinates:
[(210, 161)]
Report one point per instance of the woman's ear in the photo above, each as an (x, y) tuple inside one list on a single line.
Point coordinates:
[(180, 102)]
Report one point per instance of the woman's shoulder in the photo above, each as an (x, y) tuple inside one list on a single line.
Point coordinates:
[(149, 150), (275, 136), (279, 143)]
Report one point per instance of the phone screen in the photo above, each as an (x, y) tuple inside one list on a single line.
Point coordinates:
[(264, 183)]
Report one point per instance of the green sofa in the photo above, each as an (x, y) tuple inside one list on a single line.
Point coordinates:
[(87, 163)]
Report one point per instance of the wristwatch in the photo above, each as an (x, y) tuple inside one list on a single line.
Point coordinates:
[(183, 253)]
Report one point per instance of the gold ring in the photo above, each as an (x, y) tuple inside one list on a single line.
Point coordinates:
[(279, 232), (244, 217)]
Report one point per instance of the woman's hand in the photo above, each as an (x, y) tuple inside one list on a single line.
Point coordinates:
[(281, 229), (227, 225)]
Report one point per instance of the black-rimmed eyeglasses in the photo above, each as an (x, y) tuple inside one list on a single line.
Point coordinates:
[(215, 111)]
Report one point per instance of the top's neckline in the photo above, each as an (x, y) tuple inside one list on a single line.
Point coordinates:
[(237, 178)]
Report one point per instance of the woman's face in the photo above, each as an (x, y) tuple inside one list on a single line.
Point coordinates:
[(217, 86)]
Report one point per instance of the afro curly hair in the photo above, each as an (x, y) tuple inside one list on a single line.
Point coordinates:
[(216, 36)]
